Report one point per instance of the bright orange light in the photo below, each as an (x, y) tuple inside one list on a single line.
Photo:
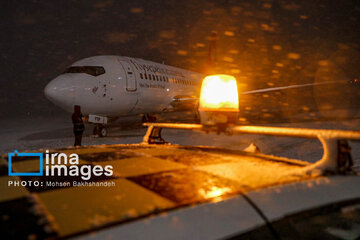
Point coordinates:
[(214, 192), (219, 93)]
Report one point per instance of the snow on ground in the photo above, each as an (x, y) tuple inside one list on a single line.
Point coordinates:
[(36, 133), (32, 134)]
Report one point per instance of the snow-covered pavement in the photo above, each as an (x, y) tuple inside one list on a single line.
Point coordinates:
[(32, 134)]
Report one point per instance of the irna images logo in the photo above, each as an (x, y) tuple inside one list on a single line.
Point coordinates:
[(59, 164)]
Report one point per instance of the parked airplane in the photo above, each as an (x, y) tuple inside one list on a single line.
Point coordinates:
[(108, 87)]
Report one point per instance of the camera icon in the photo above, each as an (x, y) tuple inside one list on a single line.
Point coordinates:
[(17, 154)]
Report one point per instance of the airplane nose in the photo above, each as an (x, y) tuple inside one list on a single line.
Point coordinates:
[(61, 91), (50, 90)]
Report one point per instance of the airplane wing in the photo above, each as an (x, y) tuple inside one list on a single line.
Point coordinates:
[(186, 103), (291, 87)]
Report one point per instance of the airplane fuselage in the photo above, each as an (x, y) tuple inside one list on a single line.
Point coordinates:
[(118, 86)]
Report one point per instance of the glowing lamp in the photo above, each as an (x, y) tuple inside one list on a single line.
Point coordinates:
[(219, 101)]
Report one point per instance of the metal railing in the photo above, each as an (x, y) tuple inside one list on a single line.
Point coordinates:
[(337, 152)]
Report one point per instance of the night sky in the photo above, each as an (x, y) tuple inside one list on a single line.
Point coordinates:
[(263, 43)]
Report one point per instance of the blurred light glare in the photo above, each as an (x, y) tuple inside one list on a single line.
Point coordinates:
[(214, 192), (219, 93)]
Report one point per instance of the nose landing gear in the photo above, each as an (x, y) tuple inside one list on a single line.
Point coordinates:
[(100, 130)]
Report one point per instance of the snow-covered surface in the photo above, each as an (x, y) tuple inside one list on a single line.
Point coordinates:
[(205, 221), (32, 134), (298, 193), (36, 133), (234, 215), (276, 202)]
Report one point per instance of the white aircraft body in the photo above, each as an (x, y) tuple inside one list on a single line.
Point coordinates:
[(115, 86), (108, 87)]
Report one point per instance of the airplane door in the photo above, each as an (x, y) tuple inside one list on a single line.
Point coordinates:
[(130, 77)]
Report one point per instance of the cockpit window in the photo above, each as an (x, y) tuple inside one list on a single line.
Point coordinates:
[(91, 70)]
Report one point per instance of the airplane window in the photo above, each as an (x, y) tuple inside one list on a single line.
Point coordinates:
[(91, 70)]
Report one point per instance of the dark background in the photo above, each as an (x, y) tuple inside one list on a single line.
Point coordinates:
[(263, 43)]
